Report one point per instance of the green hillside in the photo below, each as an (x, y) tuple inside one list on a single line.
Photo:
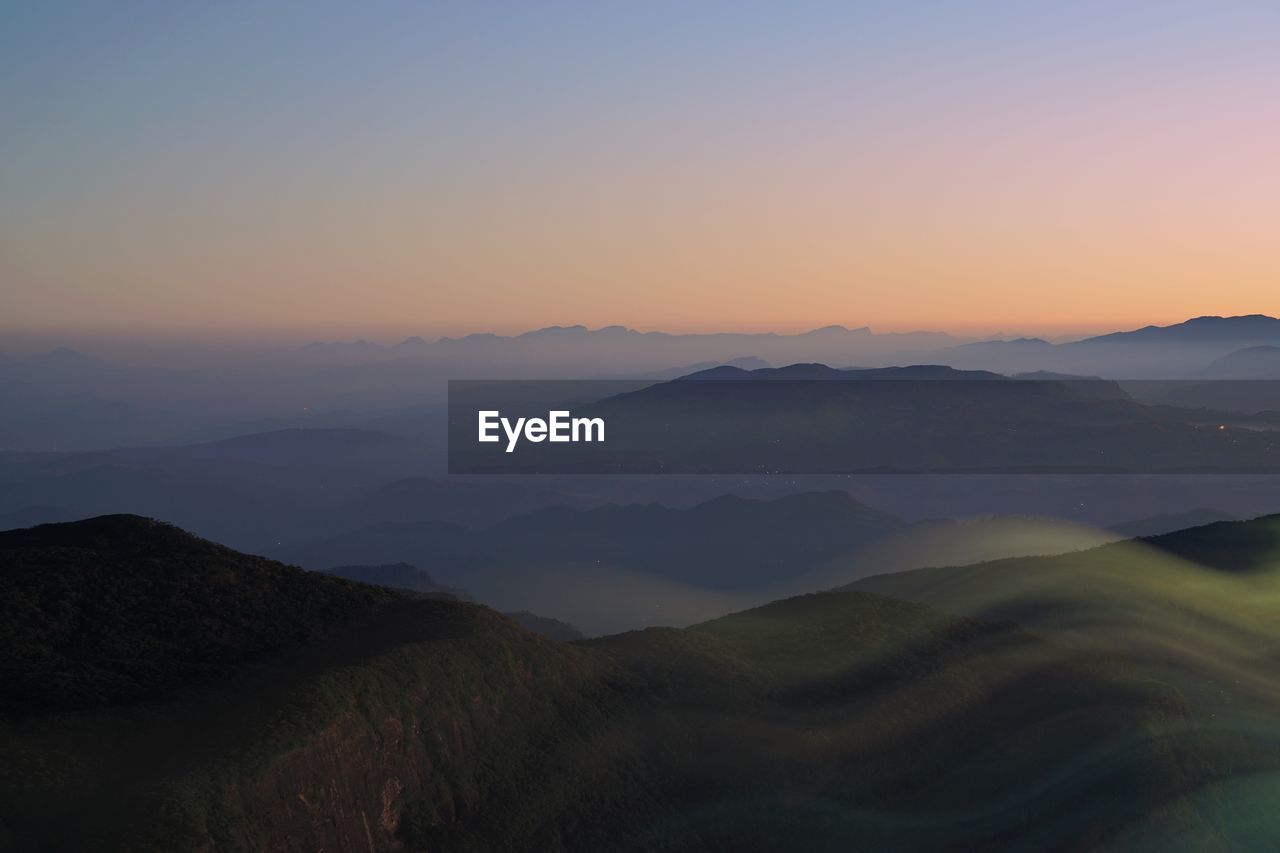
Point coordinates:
[(1200, 607), (239, 704), (1197, 610)]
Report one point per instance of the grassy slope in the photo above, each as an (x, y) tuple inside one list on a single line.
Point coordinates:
[(1198, 610), (846, 720), (1200, 606), (827, 721)]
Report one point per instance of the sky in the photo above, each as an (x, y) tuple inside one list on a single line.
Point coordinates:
[(465, 166)]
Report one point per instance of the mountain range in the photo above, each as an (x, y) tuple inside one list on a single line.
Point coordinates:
[(166, 393), (725, 543), (813, 419)]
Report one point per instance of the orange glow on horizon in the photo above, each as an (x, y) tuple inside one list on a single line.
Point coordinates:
[(1070, 168)]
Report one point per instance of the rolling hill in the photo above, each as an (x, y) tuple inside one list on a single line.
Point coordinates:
[(1195, 608), (293, 711)]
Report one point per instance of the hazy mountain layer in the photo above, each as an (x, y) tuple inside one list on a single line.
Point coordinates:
[(725, 543)]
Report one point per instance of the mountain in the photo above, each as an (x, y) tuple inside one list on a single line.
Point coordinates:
[(360, 347), (813, 419), (411, 344), (326, 714), (61, 362), (417, 543), (207, 610), (33, 418), (396, 576), (348, 448), (1188, 606), (1015, 348), (553, 628), (745, 363), (728, 542), (241, 704), (1168, 522), (1178, 351), (407, 577), (1256, 362), (560, 351), (810, 372), (1210, 329), (401, 575), (246, 490), (725, 543)]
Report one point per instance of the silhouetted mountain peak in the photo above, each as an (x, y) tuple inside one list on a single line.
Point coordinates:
[(397, 576), (61, 360), (1235, 546), (1255, 362), (1207, 329), (1011, 343), (723, 371), (816, 371), (837, 329), (921, 372), (120, 534), (360, 345), (553, 331), (145, 607)]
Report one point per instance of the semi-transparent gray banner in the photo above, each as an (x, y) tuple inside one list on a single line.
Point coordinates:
[(846, 423)]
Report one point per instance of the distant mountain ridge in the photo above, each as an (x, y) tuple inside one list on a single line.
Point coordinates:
[(801, 372), (67, 400), (1196, 329), (813, 419), (1256, 362), (1177, 351), (1207, 329), (723, 543), (397, 576)]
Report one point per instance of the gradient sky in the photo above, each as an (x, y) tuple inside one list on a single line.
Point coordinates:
[(710, 165)]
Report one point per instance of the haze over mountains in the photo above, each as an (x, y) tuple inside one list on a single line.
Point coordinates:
[(66, 399), (334, 454), (814, 419), (871, 662), (339, 513)]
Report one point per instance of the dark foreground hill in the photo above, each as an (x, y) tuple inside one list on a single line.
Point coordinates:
[(407, 577), (121, 608), (240, 704)]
